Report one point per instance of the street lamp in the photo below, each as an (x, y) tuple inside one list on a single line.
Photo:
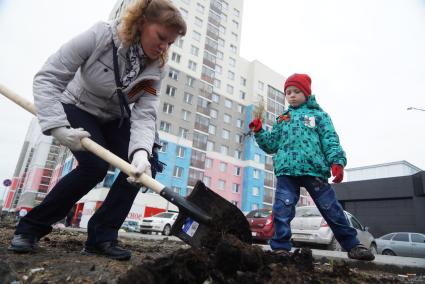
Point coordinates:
[(414, 108)]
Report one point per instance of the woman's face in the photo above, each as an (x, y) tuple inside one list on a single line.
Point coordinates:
[(156, 38)]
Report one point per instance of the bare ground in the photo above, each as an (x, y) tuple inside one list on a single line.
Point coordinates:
[(58, 260)]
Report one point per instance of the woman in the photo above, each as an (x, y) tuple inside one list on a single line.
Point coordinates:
[(84, 90)]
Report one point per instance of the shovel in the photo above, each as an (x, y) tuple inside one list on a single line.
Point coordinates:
[(203, 214)]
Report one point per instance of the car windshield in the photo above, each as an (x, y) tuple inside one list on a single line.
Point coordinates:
[(167, 215), (307, 212)]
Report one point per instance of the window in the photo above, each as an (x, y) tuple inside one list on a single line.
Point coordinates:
[(233, 48), (401, 237), (227, 118), (418, 238), (257, 158), (229, 89), (221, 42), (238, 138), (165, 126), (211, 129), (184, 13), (235, 24), (222, 30), (228, 103), (198, 22), (236, 12), (387, 237), (256, 173), (223, 167), (238, 154), (175, 57), (225, 134), (260, 85), (208, 163), (242, 95), (167, 108), (213, 113), (243, 81), (186, 1), (194, 50), (218, 69), (232, 61), (217, 83), (235, 188), (180, 151), (356, 224), (241, 108), (237, 171), (196, 36), (178, 172), (183, 132), (221, 184), (200, 8), (255, 191), (186, 115), (215, 98), (164, 147), (190, 80), (224, 150), (170, 91), (192, 65), (220, 55), (176, 189), (173, 74), (230, 75), (210, 146), (179, 42), (188, 98), (207, 180)]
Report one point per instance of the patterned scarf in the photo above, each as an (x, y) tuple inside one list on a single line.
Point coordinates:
[(136, 63)]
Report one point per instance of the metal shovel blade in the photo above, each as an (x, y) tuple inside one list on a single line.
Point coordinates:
[(226, 218)]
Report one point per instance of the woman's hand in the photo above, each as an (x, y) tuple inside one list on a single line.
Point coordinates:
[(70, 137)]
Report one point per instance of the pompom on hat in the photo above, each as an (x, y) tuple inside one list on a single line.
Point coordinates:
[(301, 81)]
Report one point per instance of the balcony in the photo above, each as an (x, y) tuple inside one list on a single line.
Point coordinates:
[(207, 78), (212, 34), (211, 48), (201, 127), (209, 63), (216, 6)]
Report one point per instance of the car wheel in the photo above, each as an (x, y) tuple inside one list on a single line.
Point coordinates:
[(167, 230), (373, 248), (388, 252), (334, 245)]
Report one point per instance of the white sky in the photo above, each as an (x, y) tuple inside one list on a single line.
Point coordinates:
[(366, 59)]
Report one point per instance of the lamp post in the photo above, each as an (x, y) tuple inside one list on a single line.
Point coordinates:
[(414, 108)]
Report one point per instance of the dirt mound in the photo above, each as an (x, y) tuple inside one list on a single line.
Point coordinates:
[(235, 262)]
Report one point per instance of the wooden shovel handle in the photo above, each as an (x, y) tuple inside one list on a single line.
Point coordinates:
[(90, 145)]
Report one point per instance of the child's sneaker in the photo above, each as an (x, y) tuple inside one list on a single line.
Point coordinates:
[(360, 252)]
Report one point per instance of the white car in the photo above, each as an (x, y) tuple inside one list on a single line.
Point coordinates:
[(160, 223), (308, 226)]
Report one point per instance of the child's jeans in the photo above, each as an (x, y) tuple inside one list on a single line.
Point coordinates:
[(286, 198)]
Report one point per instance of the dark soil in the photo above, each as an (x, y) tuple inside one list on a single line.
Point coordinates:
[(58, 260)]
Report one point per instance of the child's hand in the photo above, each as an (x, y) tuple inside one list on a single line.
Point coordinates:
[(256, 125), (337, 173)]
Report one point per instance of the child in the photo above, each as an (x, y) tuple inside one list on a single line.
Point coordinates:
[(306, 147)]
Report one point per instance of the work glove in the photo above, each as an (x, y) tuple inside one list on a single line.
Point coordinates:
[(337, 172), (256, 125), (70, 137), (140, 165)]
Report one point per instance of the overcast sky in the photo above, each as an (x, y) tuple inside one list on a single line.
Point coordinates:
[(366, 59)]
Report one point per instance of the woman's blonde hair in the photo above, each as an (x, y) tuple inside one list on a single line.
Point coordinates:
[(157, 11)]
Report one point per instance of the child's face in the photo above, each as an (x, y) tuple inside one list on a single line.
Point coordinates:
[(295, 96)]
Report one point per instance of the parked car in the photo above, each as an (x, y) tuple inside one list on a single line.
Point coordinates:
[(402, 244), (160, 223), (261, 224), (130, 226), (308, 226)]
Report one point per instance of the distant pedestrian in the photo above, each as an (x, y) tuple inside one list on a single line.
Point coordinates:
[(307, 150)]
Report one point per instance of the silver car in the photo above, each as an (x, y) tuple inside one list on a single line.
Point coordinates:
[(309, 227), (402, 244), (160, 223)]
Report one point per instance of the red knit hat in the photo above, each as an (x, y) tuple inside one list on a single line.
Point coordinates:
[(301, 81)]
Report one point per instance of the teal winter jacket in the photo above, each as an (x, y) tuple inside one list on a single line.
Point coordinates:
[(304, 144)]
